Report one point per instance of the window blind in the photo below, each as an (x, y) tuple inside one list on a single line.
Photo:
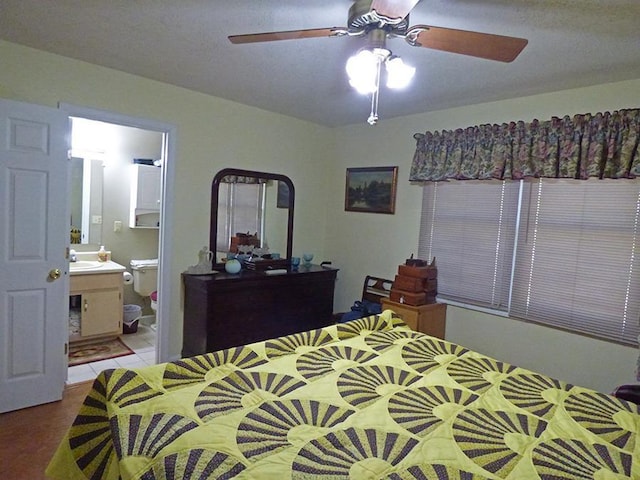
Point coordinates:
[(247, 208), (577, 265), (469, 227), (240, 209), (223, 235)]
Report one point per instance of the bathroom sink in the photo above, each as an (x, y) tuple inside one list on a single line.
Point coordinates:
[(85, 265)]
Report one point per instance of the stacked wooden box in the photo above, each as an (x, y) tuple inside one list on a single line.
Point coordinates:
[(242, 239), (416, 283)]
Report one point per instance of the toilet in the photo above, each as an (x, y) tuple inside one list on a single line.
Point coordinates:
[(154, 300), (145, 281)]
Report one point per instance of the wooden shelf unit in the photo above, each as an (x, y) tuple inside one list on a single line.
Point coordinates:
[(429, 318)]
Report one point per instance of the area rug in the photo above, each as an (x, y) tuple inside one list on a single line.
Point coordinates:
[(100, 350)]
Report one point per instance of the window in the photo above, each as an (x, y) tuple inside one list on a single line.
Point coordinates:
[(240, 209), (572, 264), (469, 227)]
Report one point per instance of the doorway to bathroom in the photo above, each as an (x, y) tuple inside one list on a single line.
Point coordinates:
[(108, 150)]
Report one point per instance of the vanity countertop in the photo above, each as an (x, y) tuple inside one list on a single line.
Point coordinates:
[(84, 267), (87, 263)]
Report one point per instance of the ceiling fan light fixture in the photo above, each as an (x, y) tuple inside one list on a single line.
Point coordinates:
[(377, 20), (399, 74), (362, 69)]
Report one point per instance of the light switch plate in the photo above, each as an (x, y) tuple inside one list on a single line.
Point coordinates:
[(117, 226)]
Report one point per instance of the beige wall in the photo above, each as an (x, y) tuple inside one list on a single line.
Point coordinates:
[(214, 133), (118, 145), (211, 134), (375, 244), (130, 243)]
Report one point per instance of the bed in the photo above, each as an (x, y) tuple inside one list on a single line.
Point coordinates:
[(364, 399)]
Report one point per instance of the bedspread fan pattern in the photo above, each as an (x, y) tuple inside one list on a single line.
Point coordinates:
[(365, 399)]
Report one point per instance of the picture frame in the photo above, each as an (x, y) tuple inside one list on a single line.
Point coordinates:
[(283, 195), (371, 189)]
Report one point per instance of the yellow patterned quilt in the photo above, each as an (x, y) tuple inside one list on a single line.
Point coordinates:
[(365, 399)]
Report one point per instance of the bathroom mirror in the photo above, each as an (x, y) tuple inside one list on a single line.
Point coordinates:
[(277, 204), (87, 179)]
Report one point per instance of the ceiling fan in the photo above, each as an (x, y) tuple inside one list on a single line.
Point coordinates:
[(378, 20)]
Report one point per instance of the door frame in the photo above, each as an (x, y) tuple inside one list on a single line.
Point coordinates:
[(165, 250)]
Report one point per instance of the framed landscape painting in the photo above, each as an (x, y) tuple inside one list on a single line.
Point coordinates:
[(371, 189)]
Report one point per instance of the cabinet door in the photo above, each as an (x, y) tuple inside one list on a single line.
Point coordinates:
[(148, 195), (410, 317), (101, 313)]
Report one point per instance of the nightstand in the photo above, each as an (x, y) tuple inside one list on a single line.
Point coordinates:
[(429, 318)]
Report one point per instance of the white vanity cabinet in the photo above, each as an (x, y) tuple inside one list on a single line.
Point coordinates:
[(98, 297), (145, 197)]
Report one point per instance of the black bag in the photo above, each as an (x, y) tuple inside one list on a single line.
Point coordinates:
[(361, 309)]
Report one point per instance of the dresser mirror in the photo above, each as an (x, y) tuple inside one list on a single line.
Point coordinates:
[(267, 207)]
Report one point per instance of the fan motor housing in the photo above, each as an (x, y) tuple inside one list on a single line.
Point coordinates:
[(363, 18)]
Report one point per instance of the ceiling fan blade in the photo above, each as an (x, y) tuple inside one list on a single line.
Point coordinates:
[(393, 9), (475, 44), (286, 35)]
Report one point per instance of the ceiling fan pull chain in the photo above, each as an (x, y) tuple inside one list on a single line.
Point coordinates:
[(373, 117)]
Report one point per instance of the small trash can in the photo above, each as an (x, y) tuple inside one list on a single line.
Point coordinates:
[(131, 316)]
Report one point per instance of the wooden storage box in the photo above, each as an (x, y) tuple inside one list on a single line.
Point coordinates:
[(415, 284), (266, 264), (430, 273), (243, 239), (409, 284), (410, 298)]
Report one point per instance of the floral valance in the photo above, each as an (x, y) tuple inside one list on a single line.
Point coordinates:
[(603, 145)]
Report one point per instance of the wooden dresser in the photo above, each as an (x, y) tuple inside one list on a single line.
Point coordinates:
[(224, 310), (429, 318)]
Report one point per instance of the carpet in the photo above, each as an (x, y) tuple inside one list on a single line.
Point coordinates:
[(96, 351)]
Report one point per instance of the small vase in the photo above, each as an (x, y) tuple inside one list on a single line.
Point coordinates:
[(307, 257), (232, 266)]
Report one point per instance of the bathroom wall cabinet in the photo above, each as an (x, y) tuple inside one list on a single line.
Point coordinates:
[(226, 310), (98, 298), (145, 197)]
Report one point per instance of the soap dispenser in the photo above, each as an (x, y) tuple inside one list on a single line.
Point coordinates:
[(102, 254)]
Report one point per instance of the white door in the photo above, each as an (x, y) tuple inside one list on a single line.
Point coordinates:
[(34, 234)]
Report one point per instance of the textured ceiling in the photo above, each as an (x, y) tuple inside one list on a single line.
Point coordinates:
[(572, 43)]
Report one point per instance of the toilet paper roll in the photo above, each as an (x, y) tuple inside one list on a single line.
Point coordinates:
[(127, 278)]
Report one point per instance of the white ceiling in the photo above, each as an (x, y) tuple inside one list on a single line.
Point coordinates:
[(572, 43)]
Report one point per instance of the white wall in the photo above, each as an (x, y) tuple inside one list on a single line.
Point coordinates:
[(214, 133), (111, 149), (375, 244), (572, 358), (130, 243), (211, 134)]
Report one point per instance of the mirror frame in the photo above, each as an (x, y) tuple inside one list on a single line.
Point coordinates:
[(215, 187)]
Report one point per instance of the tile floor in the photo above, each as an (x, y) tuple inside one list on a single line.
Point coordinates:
[(142, 343)]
